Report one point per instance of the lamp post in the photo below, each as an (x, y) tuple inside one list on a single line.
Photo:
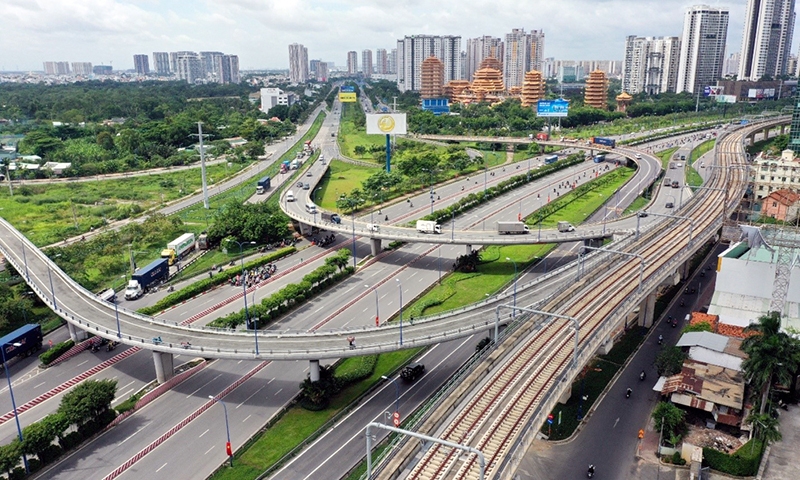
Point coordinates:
[(377, 312), (52, 290), (514, 312), (440, 263), (116, 311), (13, 402), (228, 448), (244, 289), (396, 393), (25, 259), (400, 287)]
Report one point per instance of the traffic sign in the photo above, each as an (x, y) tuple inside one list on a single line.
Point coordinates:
[(396, 419), (228, 449), (550, 418)]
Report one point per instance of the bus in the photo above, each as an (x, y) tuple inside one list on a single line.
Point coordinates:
[(599, 158), (550, 159)]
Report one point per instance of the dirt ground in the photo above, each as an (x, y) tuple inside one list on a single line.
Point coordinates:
[(717, 439)]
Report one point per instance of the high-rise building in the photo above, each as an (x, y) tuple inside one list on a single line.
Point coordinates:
[(102, 70), (522, 52), (352, 62), (56, 68), (141, 64), (794, 128), (596, 90), (313, 66), (413, 50), (392, 61), (381, 61), (366, 63), (188, 67), (208, 64), (767, 38), (650, 65), (432, 78), (480, 48), (161, 63), (705, 30), (298, 63), (226, 68), (731, 64), (322, 72), (82, 68)]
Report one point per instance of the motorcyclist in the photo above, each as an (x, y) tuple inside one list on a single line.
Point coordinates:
[(628, 392), (642, 375), (590, 472), (660, 339)]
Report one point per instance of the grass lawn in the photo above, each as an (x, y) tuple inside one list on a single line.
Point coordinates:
[(637, 205), (693, 178), (350, 136), (666, 156), (701, 150), (341, 178), (297, 424), (50, 213)]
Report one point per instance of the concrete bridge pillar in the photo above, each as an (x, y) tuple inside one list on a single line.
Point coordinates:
[(647, 310), (606, 347), (565, 396), (469, 249), (375, 246), (313, 370), (304, 228), (164, 366), (684, 269), (765, 132), (75, 333), (783, 129), (593, 242), (751, 139)]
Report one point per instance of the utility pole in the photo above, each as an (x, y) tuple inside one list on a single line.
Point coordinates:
[(200, 135)]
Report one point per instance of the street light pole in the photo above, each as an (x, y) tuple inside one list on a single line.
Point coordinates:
[(514, 312), (396, 393), (13, 402), (228, 449), (377, 312), (244, 291), (400, 286), (52, 290)]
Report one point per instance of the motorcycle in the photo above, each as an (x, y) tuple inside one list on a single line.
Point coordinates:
[(95, 348), (111, 346), (590, 472), (683, 302), (642, 375), (660, 339), (628, 393)]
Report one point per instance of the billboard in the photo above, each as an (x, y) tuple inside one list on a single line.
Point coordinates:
[(552, 108), (759, 93), (726, 98), (347, 88), (347, 97), (713, 91), (386, 123)]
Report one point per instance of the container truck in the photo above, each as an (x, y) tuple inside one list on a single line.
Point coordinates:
[(178, 248), (428, 226), (331, 217), (565, 227), (608, 142), (146, 278), (22, 341), (512, 228), (263, 185)]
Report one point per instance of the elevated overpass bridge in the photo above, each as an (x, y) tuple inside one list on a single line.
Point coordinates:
[(83, 311)]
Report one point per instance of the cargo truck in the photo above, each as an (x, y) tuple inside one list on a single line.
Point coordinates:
[(202, 241), (565, 227), (608, 142), (331, 217), (428, 226), (512, 228), (146, 278), (178, 248), (22, 341), (263, 185)]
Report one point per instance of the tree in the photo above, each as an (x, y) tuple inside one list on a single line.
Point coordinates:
[(671, 418), (10, 455), (670, 361), (765, 427), (88, 401), (37, 438), (698, 327), (771, 355)]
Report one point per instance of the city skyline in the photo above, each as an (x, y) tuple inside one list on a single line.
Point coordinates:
[(112, 31)]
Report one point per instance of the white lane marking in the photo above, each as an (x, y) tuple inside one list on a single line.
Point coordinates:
[(159, 468), (270, 380), (203, 385), (279, 391), (209, 450), (134, 433), (251, 396), (127, 385), (615, 423), (85, 361), (37, 386), (246, 418), (201, 435)]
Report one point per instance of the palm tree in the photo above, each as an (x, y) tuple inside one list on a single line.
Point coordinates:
[(772, 355), (765, 427)]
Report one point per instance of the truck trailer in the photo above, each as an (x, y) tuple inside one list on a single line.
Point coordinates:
[(608, 142), (263, 185), (22, 341), (512, 228), (178, 248), (146, 278), (428, 226)]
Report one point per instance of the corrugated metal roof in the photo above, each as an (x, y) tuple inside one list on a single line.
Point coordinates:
[(708, 340)]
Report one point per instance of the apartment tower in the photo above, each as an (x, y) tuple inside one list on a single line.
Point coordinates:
[(705, 30), (650, 65), (298, 63), (767, 38)]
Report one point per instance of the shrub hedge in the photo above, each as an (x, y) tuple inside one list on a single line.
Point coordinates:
[(55, 351), (201, 286), (743, 463)]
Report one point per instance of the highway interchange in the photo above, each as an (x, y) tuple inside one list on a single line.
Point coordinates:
[(270, 388)]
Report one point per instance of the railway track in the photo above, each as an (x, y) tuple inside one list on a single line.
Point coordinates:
[(504, 403)]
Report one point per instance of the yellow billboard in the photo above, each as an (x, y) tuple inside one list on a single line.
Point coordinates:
[(347, 97)]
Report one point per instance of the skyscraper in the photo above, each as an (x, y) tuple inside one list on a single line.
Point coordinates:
[(381, 61), (412, 50), (161, 63), (480, 48), (188, 67), (298, 63), (392, 61), (226, 68), (522, 52), (141, 64), (56, 68), (208, 64), (705, 30), (352, 62), (651, 64), (767, 38), (366, 63), (82, 68)]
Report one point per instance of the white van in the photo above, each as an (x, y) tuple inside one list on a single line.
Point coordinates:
[(311, 208), (290, 196)]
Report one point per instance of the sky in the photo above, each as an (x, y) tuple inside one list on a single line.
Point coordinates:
[(259, 31)]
